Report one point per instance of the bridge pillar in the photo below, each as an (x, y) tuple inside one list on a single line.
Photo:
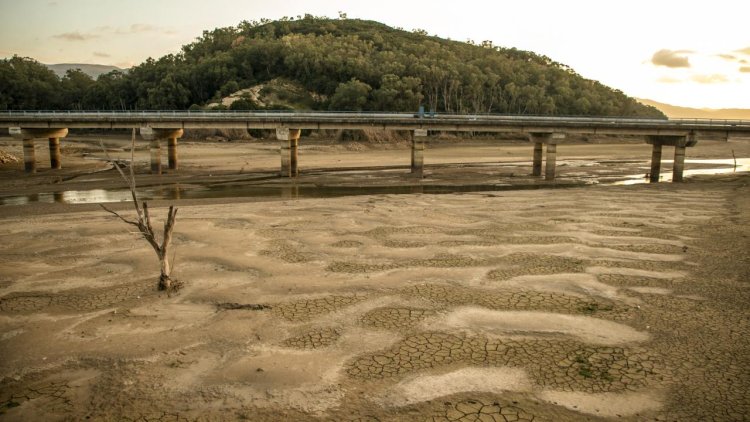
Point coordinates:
[(155, 136), (289, 149), (29, 153), (417, 151), (54, 153), (29, 156), (550, 139), (655, 163), (549, 169), (155, 149), (172, 153), (538, 153), (679, 163), (680, 144)]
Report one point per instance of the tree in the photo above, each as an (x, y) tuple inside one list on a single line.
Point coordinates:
[(350, 96), (74, 86), (143, 223)]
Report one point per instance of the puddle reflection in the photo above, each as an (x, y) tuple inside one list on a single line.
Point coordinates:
[(173, 192)]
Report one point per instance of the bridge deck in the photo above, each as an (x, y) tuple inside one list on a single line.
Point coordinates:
[(386, 121)]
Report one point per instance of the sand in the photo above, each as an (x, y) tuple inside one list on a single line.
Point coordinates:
[(584, 303)]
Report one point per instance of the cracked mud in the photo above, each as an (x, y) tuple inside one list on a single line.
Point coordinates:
[(605, 304)]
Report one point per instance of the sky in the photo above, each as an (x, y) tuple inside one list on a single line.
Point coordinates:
[(686, 52)]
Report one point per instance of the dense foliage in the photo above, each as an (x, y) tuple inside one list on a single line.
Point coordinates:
[(343, 64)]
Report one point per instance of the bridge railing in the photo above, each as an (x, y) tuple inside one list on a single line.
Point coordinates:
[(191, 114)]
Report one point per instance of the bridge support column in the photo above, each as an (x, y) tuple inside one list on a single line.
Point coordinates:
[(538, 153), (549, 169), (27, 135), (29, 156), (289, 149), (679, 163), (417, 151), (172, 153), (680, 144), (155, 156), (155, 135), (54, 153), (550, 139), (655, 163)]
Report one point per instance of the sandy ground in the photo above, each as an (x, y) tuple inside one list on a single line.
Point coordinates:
[(584, 303)]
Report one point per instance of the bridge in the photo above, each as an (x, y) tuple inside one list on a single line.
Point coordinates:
[(542, 131)]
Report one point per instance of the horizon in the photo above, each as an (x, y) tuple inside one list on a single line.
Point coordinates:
[(675, 63)]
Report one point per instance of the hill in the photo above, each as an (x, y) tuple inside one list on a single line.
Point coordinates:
[(330, 64), (93, 70), (676, 112)]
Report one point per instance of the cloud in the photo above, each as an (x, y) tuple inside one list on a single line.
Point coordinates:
[(100, 54), (745, 69), (729, 57), (745, 50), (103, 31), (75, 36), (670, 58), (668, 80), (136, 28), (710, 79)]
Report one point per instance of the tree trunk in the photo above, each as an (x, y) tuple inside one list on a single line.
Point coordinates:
[(165, 282)]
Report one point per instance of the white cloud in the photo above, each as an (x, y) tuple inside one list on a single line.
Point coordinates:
[(75, 36), (710, 79), (670, 58)]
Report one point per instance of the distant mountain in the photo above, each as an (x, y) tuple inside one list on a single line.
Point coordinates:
[(678, 112), (93, 70)]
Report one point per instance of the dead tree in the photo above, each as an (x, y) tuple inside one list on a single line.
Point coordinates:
[(143, 223)]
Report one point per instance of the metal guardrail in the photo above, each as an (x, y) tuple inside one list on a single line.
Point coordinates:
[(323, 116)]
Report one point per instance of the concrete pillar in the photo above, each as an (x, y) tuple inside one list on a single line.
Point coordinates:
[(417, 151), (655, 163), (29, 156), (172, 153), (293, 157), (27, 135), (537, 166), (550, 139), (155, 135), (288, 150), (680, 143), (155, 156), (549, 170), (679, 163), (54, 153)]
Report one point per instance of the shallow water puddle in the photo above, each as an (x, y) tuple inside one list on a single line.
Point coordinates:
[(197, 191)]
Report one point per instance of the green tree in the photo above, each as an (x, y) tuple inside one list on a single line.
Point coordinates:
[(350, 96), (74, 87)]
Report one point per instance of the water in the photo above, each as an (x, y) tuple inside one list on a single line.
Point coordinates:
[(742, 166), (174, 192)]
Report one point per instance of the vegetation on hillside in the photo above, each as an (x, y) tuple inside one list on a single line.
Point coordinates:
[(342, 64)]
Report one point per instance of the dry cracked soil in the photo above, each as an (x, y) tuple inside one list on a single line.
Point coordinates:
[(623, 303)]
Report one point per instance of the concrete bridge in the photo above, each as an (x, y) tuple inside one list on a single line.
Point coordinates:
[(542, 131)]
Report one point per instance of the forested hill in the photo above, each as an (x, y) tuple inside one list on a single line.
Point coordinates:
[(333, 64)]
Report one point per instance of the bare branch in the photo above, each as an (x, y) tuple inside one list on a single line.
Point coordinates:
[(147, 218), (114, 163), (168, 227), (119, 216)]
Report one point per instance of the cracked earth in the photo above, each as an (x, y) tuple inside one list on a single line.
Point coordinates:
[(599, 303)]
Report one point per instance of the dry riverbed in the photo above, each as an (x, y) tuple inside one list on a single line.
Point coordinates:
[(585, 303)]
